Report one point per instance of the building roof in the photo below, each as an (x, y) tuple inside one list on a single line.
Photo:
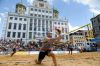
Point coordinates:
[(42, 0), (95, 17), (20, 5)]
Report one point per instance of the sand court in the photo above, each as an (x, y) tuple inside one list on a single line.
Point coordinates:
[(79, 59)]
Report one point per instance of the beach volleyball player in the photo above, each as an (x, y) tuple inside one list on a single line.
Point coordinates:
[(47, 45)]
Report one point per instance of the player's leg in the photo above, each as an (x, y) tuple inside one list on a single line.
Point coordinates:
[(53, 58), (12, 54), (14, 51), (40, 57)]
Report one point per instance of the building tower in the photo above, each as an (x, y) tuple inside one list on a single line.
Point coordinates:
[(55, 13), (20, 8)]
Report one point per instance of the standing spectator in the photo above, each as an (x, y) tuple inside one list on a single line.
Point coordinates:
[(70, 48), (40, 43), (14, 50)]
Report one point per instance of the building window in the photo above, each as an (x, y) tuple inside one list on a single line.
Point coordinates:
[(39, 28), (66, 36), (66, 30), (23, 35), (39, 23), (19, 34), (34, 28), (62, 23), (20, 19), (8, 34), (99, 28), (39, 10), (35, 9), (43, 23), (42, 10), (46, 16), (43, 34), (15, 18), (11, 18), (35, 21), (15, 25), (39, 34), (98, 20), (24, 26), (31, 20), (35, 15), (50, 16), (58, 23), (20, 25), (30, 35), (47, 25), (39, 15), (30, 28), (24, 19), (46, 11), (62, 36), (50, 11), (10, 25), (87, 43), (30, 24), (35, 24), (31, 14), (31, 9), (47, 29), (14, 34), (43, 29), (51, 26), (42, 16)]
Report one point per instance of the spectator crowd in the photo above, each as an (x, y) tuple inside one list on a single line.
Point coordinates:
[(8, 45)]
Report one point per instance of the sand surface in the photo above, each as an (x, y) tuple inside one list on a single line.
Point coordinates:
[(80, 59)]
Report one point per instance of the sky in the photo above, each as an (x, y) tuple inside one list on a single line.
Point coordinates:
[(77, 12)]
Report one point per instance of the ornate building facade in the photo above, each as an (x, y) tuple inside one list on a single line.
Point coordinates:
[(32, 22)]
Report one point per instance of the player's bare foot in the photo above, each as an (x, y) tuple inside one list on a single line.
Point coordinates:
[(37, 62)]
